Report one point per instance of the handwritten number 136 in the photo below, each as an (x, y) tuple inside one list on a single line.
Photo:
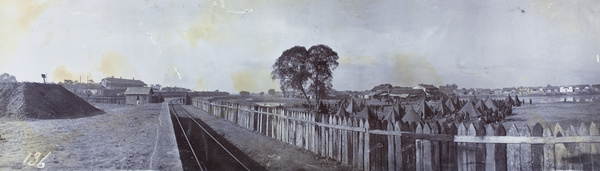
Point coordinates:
[(36, 160)]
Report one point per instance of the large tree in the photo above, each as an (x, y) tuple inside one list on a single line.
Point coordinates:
[(304, 70)]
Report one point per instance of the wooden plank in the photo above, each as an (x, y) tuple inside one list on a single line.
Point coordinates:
[(390, 147), (461, 150), (435, 147), (344, 149), (354, 139), (549, 159), (513, 156), (471, 148), (575, 162), (361, 145), (367, 147), (537, 150), (452, 148), (586, 156), (525, 150), (330, 140), (595, 147), (398, 146), (560, 150), (426, 149), (490, 149), (419, 148), (528, 140)]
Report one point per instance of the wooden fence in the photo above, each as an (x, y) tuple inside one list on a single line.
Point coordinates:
[(379, 145), (112, 100)]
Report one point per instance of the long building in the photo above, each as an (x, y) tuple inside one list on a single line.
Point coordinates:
[(120, 83)]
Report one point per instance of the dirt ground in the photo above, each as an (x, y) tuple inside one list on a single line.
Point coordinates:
[(124, 137), (270, 153)]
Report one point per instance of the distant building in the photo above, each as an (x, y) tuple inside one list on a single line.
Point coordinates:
[(509, 90), (551, 89), (428, 88), (566, 89), (120, 83), (382, 88), (408, 94), (138, 95)]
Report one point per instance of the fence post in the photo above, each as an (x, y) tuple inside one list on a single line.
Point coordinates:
[(355, 140), (344, 150), (537, 150), (595, 147), (586, 148), (324, 151), (471, 148), (367, 146), (435, 147), (573, 148), (390, 147), (419, 148), (462, 149), (452, 155), (490, 149), (560, 150), (330, 140), (513, 156), (361, 144), (398, 145), (426, 151), (526, 159)]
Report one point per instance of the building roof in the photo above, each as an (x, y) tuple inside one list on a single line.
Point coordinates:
[(406, 92), (121, 81), (427, 86), (138, 91), (382, 87)]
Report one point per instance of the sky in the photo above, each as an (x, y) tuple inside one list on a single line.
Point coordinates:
[(231, 45)]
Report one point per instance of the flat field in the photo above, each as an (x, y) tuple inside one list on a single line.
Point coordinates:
[(565, 113), (124, 137)]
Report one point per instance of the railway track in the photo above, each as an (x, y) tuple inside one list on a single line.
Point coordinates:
[(199, 148)]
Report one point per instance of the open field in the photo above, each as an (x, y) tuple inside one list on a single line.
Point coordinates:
[(124, 137), (566, 114)]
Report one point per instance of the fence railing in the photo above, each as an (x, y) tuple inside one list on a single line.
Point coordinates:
[(112, 100), (382, 145)]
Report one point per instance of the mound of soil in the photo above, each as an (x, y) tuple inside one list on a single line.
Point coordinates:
[(26, 101)]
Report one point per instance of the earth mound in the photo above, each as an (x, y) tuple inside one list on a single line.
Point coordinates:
[(26, 101)]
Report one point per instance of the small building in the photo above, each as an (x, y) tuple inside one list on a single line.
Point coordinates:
[(566, 89), (138, 95)]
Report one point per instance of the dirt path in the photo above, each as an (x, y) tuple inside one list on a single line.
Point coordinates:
[(270, 153), (125, 137)]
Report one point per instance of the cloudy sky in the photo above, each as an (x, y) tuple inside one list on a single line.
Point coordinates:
[(231, 45)]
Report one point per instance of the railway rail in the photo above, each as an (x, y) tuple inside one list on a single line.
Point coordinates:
[(201, 149)]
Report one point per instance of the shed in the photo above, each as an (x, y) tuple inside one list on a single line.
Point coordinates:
[(138, 95)]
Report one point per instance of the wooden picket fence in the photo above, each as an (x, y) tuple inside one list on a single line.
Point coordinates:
[(379, 145)]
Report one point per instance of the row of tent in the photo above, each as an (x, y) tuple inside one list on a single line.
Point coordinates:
[(472, 108)]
